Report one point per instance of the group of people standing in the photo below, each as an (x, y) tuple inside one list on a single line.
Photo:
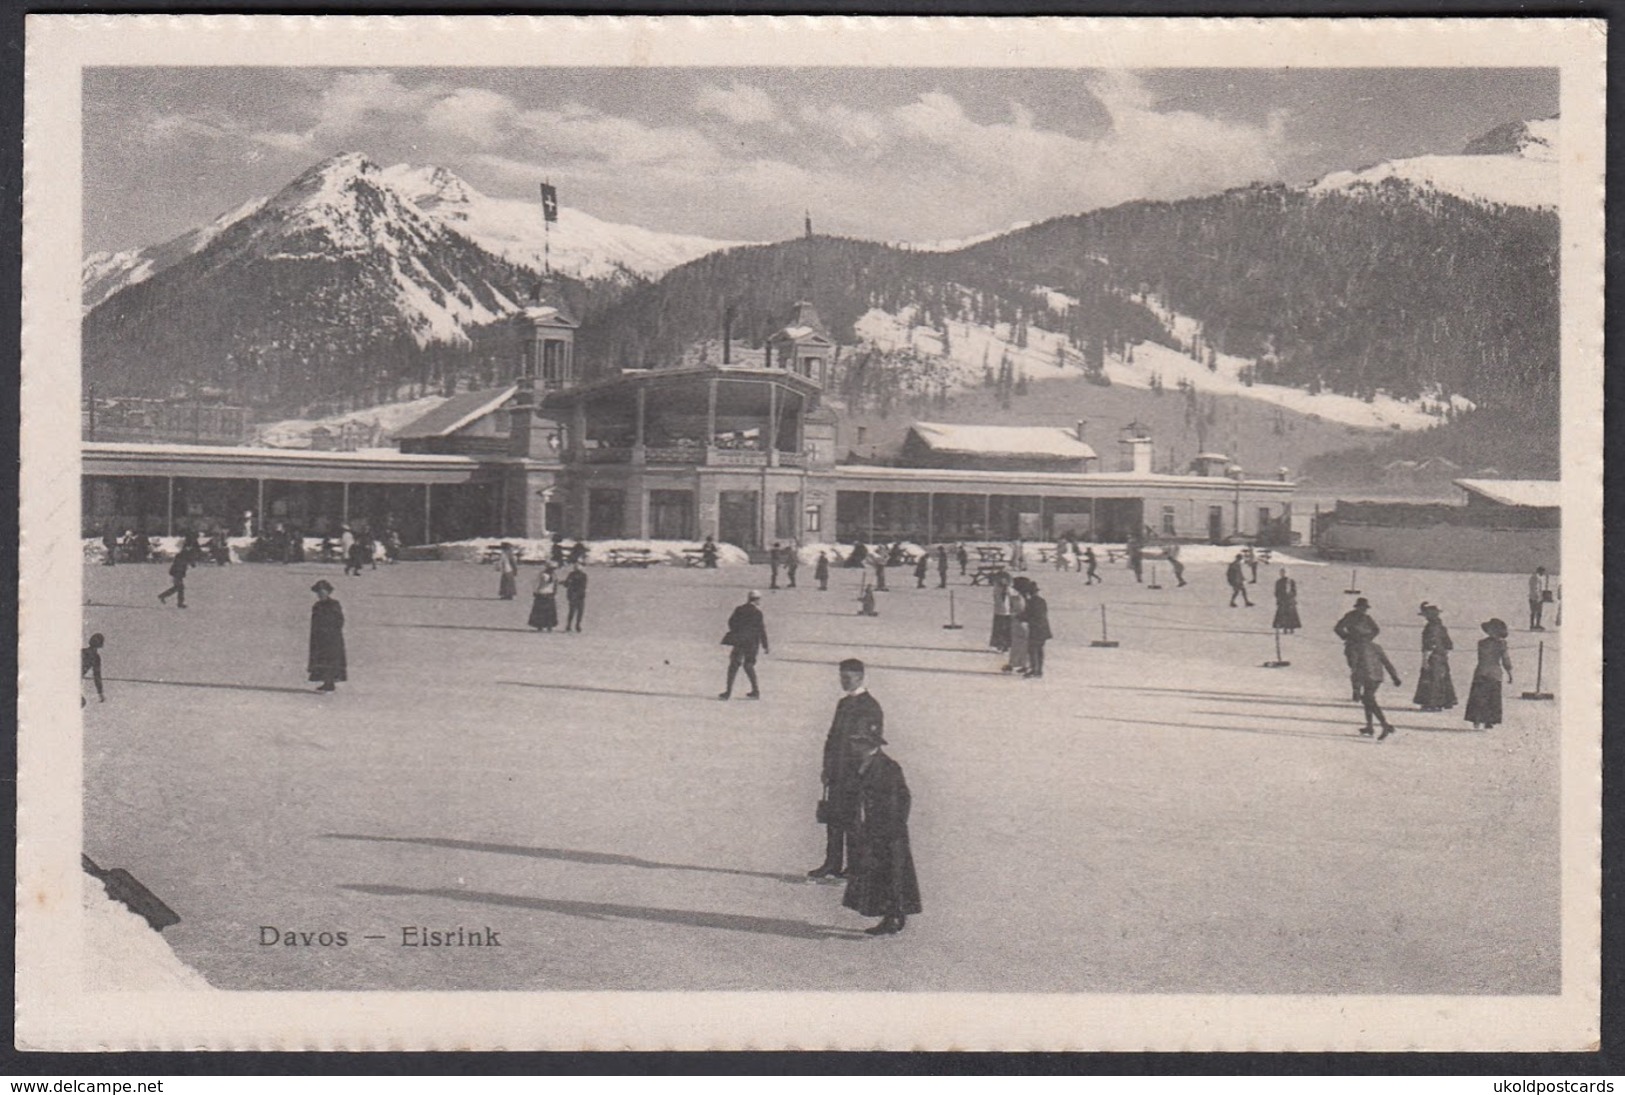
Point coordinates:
[(1021, 625), (1435, 690)]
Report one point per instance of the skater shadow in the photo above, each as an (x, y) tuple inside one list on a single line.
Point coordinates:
[(1169, 724), (565, 855), (1354, 710), (602, 910), (899, 668), (1206, 693), (149, 608), (895, 646), (614, 691), (213, 684), (465, 627)]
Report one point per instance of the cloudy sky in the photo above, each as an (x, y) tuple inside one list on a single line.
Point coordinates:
[(903, 154)]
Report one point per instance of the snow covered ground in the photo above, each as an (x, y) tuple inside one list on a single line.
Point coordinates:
[(1166, 816), (1047, 355), (1527, 177), (123, 953)]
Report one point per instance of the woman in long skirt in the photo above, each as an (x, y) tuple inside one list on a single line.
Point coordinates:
[(1286, 604), (1435, 691), (327, 661), (1000, 638), (1018, 662), (1484, 701), (508, 570), (544, 604)]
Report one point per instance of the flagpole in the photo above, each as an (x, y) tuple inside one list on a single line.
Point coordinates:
[(547, 241)]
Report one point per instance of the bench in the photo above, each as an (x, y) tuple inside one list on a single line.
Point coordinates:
[(990, 554), (492, 554), (986, 572), (693, 557), (632, 557)]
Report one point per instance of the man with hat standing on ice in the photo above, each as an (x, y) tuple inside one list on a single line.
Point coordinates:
[(747, 633), (881, 882), (855, 713)]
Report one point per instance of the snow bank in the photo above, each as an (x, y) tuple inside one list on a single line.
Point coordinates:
[(123, 954), (534, 551), (381, 420)]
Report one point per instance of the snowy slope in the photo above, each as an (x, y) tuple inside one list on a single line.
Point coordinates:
[(581, 245), (104, 273), (1047, 355), (382, 420), (1519, 167)]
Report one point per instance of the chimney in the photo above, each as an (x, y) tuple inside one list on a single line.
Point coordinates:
[(1141, 448), (1082, 423)]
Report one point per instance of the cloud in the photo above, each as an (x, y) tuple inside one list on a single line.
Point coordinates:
[(740, 103), (162, 129)]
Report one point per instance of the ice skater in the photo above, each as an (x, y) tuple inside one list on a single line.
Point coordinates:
[(942, 566), (1435, 691), (177, 580), (1286, 604), (1092, 565), (1172, 553), (1238, 583), (1136, 557), (1355, 627), (821, 572), (773, 567), (1016, 614), (544, 600), (857, 712), (882, 881), (1036, 617), (1484, 698), (1000, 638), (507, 572), (964, 558), (708, 553), (866, 601), (575, 597), (90, 661), (747, 634), (1539, 594), (328, 663), (792, 563), (922, 567), (1371, 662)]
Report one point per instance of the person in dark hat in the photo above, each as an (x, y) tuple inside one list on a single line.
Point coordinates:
[(856, 712), (327, 660), (1435, 691), (1356, 627), (1286, 604), (1484, 698), (821, 572), (575, 596), (747, 634), (881, 881), (1036, 616)]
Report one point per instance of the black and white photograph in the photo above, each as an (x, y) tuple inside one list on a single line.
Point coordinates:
[(811, 533)]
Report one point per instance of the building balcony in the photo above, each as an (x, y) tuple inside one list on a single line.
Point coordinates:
[(687, 455)]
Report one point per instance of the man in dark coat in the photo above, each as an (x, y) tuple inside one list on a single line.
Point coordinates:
[(1136, 558), (856, 712), (90, 661), (1238, 583), (1355, 629), (327, 659), (881, 882), (177, 576), (964, 558), (1036, 616), (921, 569), (109, 547), (942, 566), (747, 634), (792, 562), (1093, 565), (708, 553), (773, 560), (575, 597), (821, 571)]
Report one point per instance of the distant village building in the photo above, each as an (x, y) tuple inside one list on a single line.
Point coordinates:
[(1511, 525), (191, 421), (746, 451)]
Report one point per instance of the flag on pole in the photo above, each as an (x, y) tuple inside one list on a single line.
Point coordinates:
[(550, 203)]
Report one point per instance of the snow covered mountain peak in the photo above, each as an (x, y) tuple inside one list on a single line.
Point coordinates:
[(1513, 164)]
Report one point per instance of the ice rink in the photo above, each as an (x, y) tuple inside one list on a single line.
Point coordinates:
[(1167, 816)]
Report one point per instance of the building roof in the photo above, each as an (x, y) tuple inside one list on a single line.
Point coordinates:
[(1534, 493), (1041, 441), (455, 413)]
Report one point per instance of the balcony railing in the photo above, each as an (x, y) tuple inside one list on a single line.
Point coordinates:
[(690, 455)]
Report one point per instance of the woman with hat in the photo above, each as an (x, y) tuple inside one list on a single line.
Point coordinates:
[(327, 661), (1484, 700), (544, 602), (1286, 604), (881, 882), (1435, 691)]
